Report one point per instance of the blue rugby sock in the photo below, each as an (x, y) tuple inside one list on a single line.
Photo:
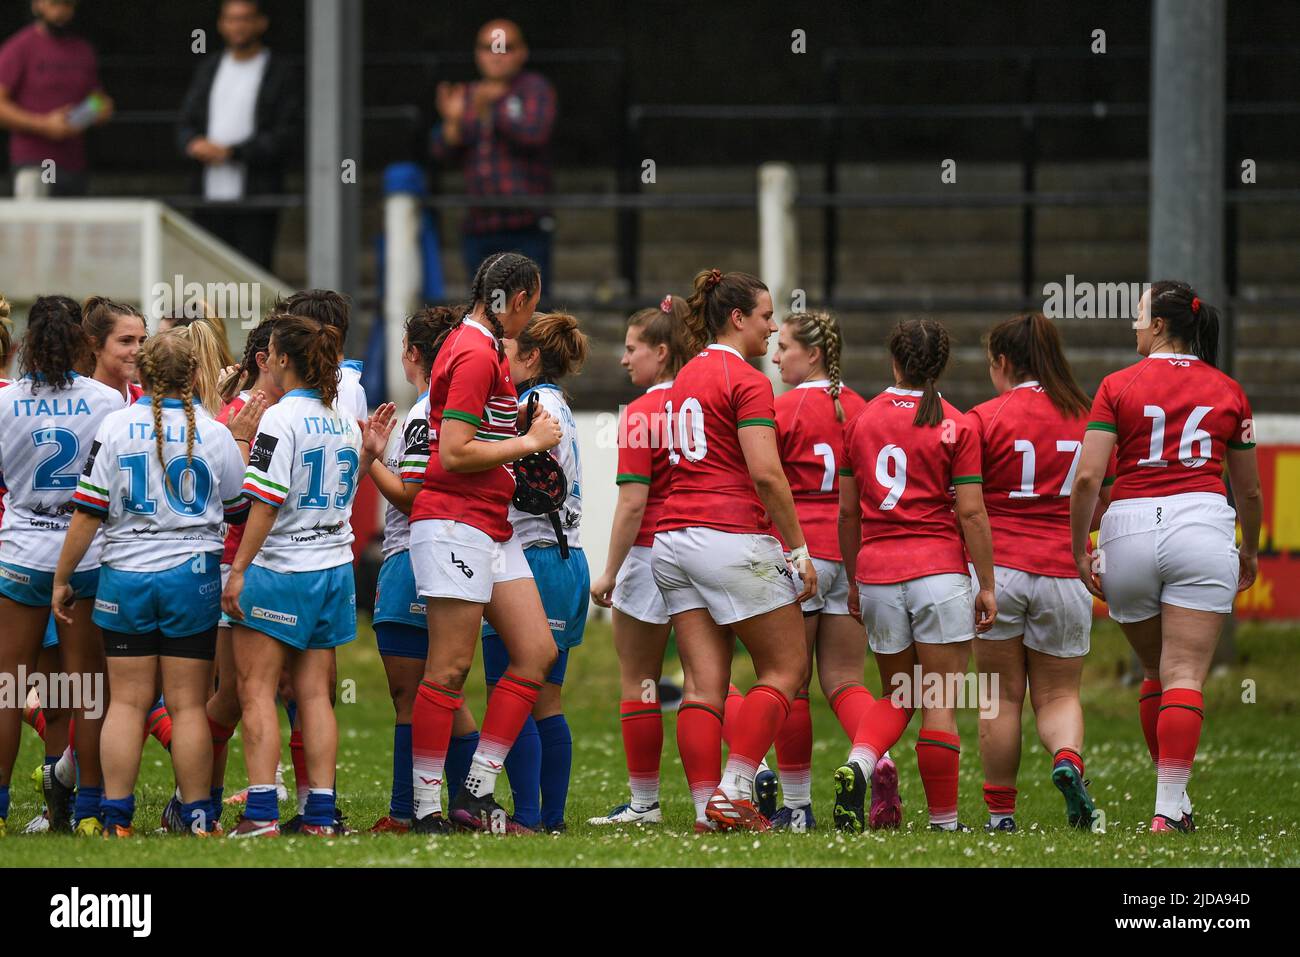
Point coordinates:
[(320, 807), (119, 811), (402, 803), (4, 800), (88, 804), (524, 766), (557, 761), (291, 710), (261, 804), (199, 812), (459, 754)]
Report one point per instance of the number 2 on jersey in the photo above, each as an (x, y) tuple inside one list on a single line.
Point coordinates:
[(50, 474)]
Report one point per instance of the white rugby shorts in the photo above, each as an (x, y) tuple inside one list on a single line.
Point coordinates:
[(455, 560), (734, 575), (1176, 549), (635, 592), (1053, 614), (932, 610)]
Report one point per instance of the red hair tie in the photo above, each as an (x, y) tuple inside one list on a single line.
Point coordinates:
[(715, 277), (1196, 305), (666, 304)]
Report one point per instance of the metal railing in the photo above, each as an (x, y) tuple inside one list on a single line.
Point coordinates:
[(831, 116)]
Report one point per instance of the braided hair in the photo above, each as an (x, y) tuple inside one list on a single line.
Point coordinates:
[(259, 340), (168, 364), (428, 329), (920, 347), (1189, 320), (819, 330), (508, 274)]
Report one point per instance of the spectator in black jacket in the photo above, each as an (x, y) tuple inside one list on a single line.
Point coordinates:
[(240, 121)]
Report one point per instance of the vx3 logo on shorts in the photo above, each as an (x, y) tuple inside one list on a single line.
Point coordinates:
[(469, 572), (1159, 509)]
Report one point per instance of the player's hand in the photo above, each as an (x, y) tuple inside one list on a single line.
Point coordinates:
[(986, 610), (1249, 568), (1088, 565), (545, 432), (803, 567), (450, 99), (602, 590), (225, 377), (855, 602), (230, 595), (55, 125), (376, 430), (244, 425), (61, 601)]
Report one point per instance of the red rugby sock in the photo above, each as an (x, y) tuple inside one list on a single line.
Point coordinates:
[(643, 744), (938, 757)]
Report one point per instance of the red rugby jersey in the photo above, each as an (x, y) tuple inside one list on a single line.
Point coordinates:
[(811, 440), (715, 395), (1030, 453), (905, 475), (1174, 417), (643, 454), (470, 383)]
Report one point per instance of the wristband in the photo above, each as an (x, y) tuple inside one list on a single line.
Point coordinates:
[(799, 554), (245, 441)]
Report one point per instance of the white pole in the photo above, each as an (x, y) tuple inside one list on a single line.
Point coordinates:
[(778, 243), (402, 284)]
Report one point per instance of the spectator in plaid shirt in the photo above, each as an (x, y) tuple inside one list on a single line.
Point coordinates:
[(499, 129)]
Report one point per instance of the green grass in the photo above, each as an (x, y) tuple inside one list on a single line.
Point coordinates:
[(1246, 787)]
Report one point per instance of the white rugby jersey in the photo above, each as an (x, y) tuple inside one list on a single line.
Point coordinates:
[(407, 456), (45, 436), (306, 462), (151, 524), (531, 529), (352, 397)]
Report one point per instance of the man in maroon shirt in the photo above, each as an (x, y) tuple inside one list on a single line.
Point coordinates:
[(499, 130), (45, 74)]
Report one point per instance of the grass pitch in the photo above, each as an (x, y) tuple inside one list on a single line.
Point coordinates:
[(1246, 786)]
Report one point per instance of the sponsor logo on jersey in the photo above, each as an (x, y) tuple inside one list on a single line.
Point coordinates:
[(270, 614), (107, 607), (903, 403), (90, 459), (417, 436), (263, 449), (208, 589)]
